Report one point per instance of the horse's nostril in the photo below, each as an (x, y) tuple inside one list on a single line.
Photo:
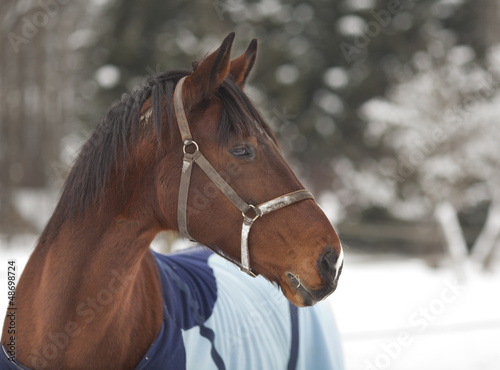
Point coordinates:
[(327, 264)]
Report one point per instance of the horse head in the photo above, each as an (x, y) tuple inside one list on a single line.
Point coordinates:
[(291, 242)]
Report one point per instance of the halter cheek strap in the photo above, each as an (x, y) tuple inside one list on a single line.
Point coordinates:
[(250, 212)]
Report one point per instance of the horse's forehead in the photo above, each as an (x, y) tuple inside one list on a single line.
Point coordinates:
[(263, 134), (210, 108), (210, 111)]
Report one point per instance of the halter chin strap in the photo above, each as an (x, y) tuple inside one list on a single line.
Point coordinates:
[(250, 212)]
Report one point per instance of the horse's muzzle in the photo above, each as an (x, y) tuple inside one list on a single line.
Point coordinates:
[(329, 266)]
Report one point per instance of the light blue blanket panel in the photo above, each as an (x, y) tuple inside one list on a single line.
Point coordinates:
[(252, 326)]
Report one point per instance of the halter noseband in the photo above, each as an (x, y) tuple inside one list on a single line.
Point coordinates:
[(250, 212)]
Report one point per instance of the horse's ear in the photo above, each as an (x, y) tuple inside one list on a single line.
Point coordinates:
[(241, 66), (209, 74)]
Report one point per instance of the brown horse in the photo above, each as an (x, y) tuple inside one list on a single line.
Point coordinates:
[(125, 188)]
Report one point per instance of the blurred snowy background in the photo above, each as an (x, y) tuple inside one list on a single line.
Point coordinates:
[(388, 110)]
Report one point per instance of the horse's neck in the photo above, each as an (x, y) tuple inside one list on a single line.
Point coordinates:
[(98, 297)]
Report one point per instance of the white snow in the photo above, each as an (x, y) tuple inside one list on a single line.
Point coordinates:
[(108, 76), (396, 313), (351, 25)]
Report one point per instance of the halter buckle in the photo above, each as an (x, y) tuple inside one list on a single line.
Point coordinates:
[(189, 142), (255, 209), (249, 272)]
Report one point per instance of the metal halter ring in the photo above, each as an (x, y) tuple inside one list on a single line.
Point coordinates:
[(257, 211), (188, 143)]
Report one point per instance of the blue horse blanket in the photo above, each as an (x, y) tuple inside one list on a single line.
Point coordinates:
[(215, 317)]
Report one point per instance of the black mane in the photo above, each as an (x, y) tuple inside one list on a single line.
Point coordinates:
[(115, 137)]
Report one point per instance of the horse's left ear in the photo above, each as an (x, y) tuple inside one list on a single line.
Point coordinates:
[(209, 74), (241, 66)]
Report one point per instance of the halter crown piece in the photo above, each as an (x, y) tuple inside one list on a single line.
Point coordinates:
[(250, 212)]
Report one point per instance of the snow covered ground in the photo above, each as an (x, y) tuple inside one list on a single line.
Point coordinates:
[(393, 313), (396, 313)]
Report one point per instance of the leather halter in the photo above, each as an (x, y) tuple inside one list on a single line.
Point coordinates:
[(250, 212)]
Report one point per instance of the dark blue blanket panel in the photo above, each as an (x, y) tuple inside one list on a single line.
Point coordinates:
[(294, 350), (189, 294)]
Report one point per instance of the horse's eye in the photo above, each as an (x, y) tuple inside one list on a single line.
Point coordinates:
[(243, 151)]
